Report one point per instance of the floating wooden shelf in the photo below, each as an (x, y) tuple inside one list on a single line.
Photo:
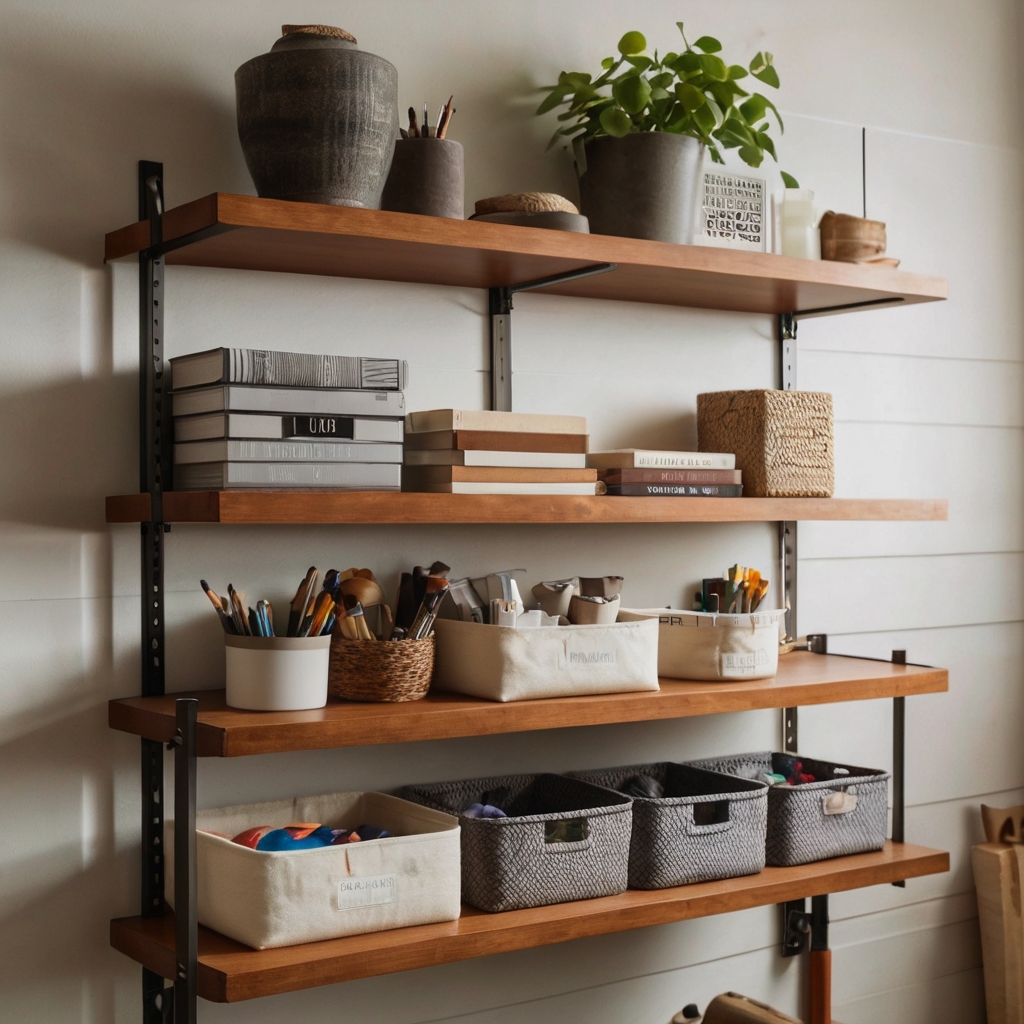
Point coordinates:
[(376, 507), (803, 679), (246, 233), (230, 972)]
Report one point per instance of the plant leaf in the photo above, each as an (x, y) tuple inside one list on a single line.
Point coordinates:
[(687, 64), (662, 81), (754, 108), (737, 71), (610, 61), (705, 118), (708, 44), (554, 99), (716, 110), (761, 68), (632, 93), (714, 67), (616, 122), (690, 96), (751, 155), (767, 144), (632, 42), (657, 93), (789, 181), (769, 76), (643, 63)]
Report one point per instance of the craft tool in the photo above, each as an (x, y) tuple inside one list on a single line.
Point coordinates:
[(298, 605), (219, 605), (414, 131), (425, 131), (404, 133), (443, 132), (436, 587), (358, 619), (238, 615), (322, 609), (265, 617)]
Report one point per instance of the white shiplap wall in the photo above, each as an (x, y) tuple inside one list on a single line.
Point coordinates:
[(928, 403)]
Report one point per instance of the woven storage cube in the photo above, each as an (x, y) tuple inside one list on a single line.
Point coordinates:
[(802, 826), (782, 439), (706, 826), (268, 899), (389, 671), (563, 839)]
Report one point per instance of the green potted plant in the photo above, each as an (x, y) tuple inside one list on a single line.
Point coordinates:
[(639, 131)]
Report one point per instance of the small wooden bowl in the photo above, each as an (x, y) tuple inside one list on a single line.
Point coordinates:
[(850, 239)]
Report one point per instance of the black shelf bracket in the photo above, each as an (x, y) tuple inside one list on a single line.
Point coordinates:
[(499, 301), (803, 931), (786, 332), (186, 921)]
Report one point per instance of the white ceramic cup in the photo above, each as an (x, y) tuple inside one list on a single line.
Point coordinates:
[(277, 673)]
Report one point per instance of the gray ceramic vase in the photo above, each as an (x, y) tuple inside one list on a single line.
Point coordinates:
[(427, 177), (317, 118), (645, 185)]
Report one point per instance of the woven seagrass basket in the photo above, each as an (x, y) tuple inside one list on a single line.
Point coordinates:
[(388, 671), (782, 439)]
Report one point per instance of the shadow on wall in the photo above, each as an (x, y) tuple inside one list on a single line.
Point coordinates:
[(77, 112)]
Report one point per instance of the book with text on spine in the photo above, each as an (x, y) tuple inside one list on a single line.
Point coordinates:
[(217, 425), (286, 370), (676, 490), (285, 451), (637, 458), (287, 401), (352, 476), (527, 460), (670, 476)]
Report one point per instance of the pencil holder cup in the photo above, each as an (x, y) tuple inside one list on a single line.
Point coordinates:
[(427, 177), (277, 673), (388, 671)]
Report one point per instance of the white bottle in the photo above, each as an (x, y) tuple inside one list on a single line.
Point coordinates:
[(798, 224)]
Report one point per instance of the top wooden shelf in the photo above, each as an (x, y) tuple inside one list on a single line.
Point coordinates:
[(246, 233)]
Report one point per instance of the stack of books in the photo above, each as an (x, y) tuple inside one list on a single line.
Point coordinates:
[(246, 418), (455, 451), (652, 474)]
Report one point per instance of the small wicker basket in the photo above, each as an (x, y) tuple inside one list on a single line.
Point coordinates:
[(782, 439), (380, 670)]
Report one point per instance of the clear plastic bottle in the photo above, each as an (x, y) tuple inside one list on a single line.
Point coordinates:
[(798, 224)]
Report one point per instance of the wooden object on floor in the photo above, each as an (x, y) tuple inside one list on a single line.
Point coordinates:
[(819, 1003), (393, 507), (733, 1008), (1003, 824), (246, 233), (997, 874), (229, 972), (803, 679)]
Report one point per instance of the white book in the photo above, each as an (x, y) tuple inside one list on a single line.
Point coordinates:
[(526, 460), (352, 476), (297, 401), (230, 450), (637, 458), (465, 487), (511, 422), (255, 425)]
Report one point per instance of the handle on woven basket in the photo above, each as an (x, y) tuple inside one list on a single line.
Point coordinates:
[(719, 813), (839, 801), (566, 835)]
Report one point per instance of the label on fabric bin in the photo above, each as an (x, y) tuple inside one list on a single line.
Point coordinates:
[(736, 664), (371, 891)]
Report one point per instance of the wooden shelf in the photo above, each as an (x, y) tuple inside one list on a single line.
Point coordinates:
[(803, 679), (246, 233), (230, 972), (376, 507)]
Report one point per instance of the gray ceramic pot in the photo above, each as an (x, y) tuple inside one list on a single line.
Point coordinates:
[(317, 118), (427, 176), (644, 185)]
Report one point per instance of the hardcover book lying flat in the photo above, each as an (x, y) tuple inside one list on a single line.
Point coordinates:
[(297, 401), (254, 425), (636, 458), (285, 451), (224, 476), (496, 441), (475, 419), (530, 460), (286, 369)]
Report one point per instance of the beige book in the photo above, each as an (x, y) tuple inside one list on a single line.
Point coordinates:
[(473, 419), (427, 475), (579, 490), (637, 458), (527, 460)]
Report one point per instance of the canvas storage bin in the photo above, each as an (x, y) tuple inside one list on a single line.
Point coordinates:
[(713, 645), (268, 899), (846, 813), (706, 826), (563, 839), (782, 439), (504, 664)]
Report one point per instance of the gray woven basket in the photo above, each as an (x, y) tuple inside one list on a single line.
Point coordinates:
[(799, 829), (563, 839), (668, 847)]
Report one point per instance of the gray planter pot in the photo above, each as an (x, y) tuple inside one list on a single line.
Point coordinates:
[(317, 119), (644, 185), (428, 177)]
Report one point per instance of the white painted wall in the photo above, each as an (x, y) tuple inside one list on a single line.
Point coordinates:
[(928, 403)]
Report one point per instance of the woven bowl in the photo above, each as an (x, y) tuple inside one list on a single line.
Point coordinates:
[(387, 671)]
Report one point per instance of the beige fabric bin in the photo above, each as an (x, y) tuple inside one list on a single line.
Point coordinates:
[(713, 646), (505, 664), (268, 899)]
